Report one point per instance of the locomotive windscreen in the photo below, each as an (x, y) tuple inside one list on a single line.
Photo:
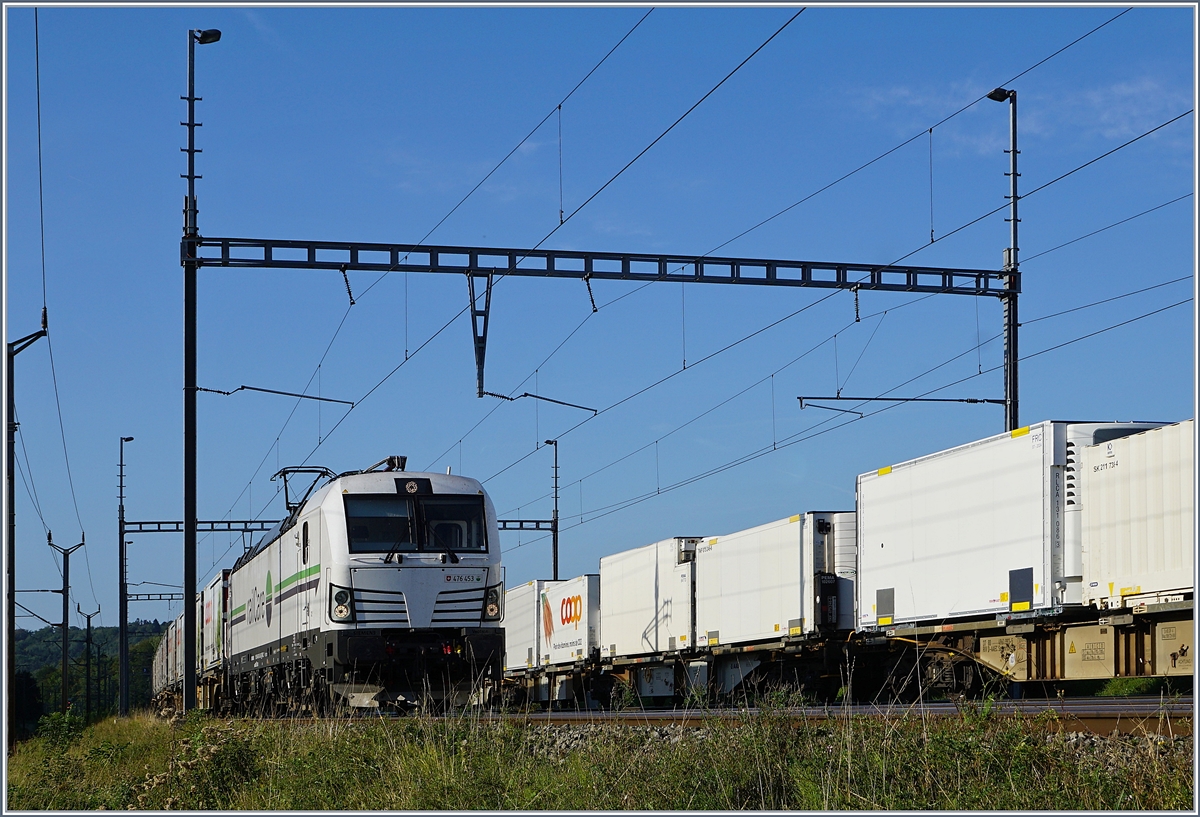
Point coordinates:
[(380, 522), (386, 522), (455, 522)]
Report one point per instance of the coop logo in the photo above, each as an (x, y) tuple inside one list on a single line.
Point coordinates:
[(570, 611), (258, 607), (547, 618)]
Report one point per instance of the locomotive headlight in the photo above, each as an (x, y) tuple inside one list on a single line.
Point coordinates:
[(340, 609), (491, 604)]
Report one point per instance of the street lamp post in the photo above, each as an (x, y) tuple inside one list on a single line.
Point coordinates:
[(1012, 283), (190, 263), (123, 587)]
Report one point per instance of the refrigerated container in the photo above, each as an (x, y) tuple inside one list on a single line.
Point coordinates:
[(570, 619), (978, 530), (1138, 507), (648, 599), (523, 640), (776, 580)]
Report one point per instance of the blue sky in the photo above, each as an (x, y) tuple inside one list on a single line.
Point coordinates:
[(372, 123)]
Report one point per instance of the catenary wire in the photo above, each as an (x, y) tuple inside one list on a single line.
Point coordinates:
[(430, 232), (551, 233), (827, 339), (1027, 259), (910, 140), (49, 342), (803, 436), (893, 263), (590, 198), (868, 164), (37, 504)]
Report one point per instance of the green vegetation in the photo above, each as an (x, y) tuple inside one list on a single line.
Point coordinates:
[(763, 761), (39, 670)]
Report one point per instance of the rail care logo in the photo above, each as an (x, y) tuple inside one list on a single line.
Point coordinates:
[(258, 606), (570, 611)]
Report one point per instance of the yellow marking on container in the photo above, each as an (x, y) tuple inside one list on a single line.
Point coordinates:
[(1035, 588), (884, 621), (1004, 597), (1127, 591), (795, 518), (1110, 587), (1072, 650), (776, 628), (795, 631), (712, 541), (1019, 606), (712, 642), (887, 469), (683, 638), (1020, 432)]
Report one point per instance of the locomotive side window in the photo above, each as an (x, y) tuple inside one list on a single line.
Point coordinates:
[(304, 545), (380, 522)]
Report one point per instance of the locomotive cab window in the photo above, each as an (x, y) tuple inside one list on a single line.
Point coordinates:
[(455, 522), (380, 522)]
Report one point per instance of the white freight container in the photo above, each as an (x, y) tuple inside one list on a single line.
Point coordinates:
[(774, 580), (845, 566), (570, 619), (213, 620), (977, 530), (524, 646), (1138, 507), (648, 599)]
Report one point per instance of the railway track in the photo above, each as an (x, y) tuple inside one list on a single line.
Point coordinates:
[(1101, 716), (1134, 715)]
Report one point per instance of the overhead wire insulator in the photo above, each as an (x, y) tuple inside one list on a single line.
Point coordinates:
[(346, 278), (587, 279)]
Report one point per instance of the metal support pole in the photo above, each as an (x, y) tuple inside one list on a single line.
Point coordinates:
[(10, 676), (1012, 281), (66, 594), (123, 587), (554, 518), (190, 235), (87, 672)]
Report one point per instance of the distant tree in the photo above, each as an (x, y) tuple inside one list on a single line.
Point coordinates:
[(27, 703)]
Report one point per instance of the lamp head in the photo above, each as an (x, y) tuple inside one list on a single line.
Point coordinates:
[(551, 442), (1001, 94), (127, 439), (208, 35)]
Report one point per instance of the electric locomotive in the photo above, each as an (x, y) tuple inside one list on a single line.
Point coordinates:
[(381, 589)]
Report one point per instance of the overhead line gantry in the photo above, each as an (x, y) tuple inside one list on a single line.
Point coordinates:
[(483, 266)]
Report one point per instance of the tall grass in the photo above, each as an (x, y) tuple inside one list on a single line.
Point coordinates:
[(763, 760)]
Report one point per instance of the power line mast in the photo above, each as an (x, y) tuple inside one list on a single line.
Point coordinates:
[(66, 594), (14, 348), (87, 671)]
